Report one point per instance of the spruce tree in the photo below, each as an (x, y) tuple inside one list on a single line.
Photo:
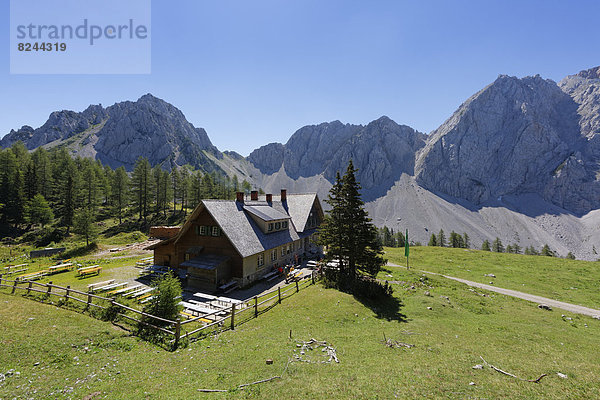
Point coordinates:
[(347, 230), (546, 251), (441, 239), (497, 245), (400, 239), (485, 245), (432, 240), (466, 243)]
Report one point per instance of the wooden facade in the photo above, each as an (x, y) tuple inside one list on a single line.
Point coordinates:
[(212, 251)]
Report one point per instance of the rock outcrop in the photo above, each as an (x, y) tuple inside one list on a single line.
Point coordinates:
[(381, 150), (513, 137)]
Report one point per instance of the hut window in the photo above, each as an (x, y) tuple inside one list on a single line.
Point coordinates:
[(202, 230), (277, 225), (270, 227), (260, 260), (216, 231), (284, 224)]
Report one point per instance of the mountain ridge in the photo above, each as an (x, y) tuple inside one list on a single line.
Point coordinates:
[(516, 140)]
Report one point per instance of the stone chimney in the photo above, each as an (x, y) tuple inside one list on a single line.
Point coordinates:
[(254, 195), (239, 197), (269, 198), (283, 195)]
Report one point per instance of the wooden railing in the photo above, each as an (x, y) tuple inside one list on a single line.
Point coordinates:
[(257, 304)]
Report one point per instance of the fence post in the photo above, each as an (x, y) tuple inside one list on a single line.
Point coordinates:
[(67, 292), (49, 288), (297, 288), (29, 287), (89, 300), (255, 306), (177, 330), (0, 279), (14, 287), (312, 276), (232, 316), (279, 293)]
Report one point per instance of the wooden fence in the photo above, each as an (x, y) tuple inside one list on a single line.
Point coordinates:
[(257, 305)]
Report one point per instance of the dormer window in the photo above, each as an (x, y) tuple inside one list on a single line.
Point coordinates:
[(271, 227), (284, 224), (277, 226)]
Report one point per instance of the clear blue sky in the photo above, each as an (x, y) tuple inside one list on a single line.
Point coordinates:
[(253, 72)]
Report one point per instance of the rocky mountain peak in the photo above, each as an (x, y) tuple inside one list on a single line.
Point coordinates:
[(119, 134), (592, 73)]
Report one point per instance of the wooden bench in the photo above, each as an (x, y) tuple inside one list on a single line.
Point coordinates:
[(32, 276), (110, 286), (147, 299), (90, 271), (91, 286), (138, 293), (126, 289), (145, 296), (228, 287), (55, 269)]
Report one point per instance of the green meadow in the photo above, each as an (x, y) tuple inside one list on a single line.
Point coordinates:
[(572, 281), (60, 353)]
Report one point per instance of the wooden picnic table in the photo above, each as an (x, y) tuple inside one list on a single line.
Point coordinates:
[(89, 271), (205, 296), (32, 276), (110, 286), (88, 267), (9, 267), (138, 293), (199, 309), (59, 266)]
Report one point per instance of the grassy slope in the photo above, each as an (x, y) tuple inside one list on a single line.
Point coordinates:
[(509, 333), (572, 281)]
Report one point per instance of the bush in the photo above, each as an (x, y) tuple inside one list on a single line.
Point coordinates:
[(164, 304)]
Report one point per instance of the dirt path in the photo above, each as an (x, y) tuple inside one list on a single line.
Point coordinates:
[(521, 295), (133, 248)]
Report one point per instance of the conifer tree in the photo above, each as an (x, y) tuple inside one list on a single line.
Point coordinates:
[(347, 230), (83, 224), (466, 243), (486, 245), (141, 184), (497, 245), (432, 240), (441, 239), (37, 211), (400, 239), (120, 188), (546, 251)]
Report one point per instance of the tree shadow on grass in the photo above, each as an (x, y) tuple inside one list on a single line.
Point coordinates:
[(377, 296), (386, 307)]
